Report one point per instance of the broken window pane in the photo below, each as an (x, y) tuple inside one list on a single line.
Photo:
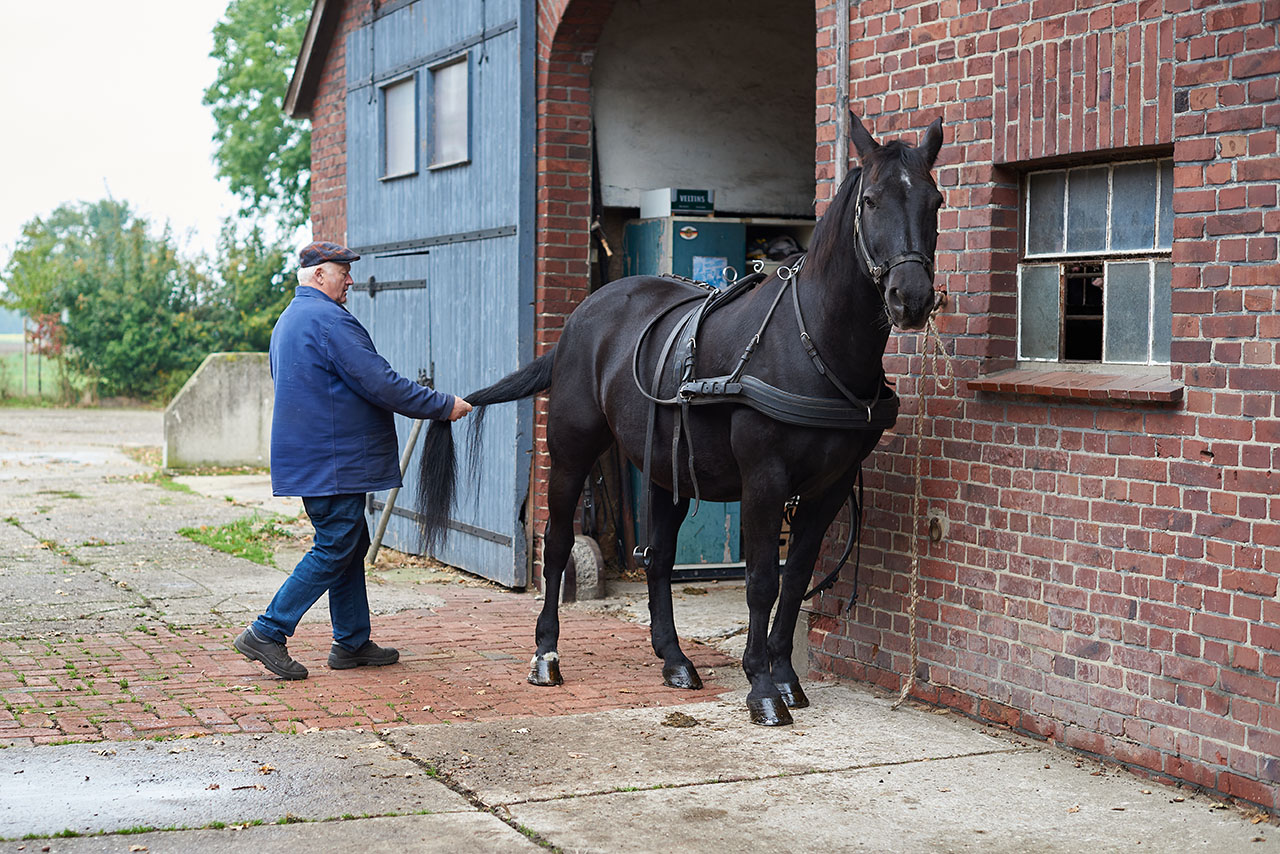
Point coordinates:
[(1082, 310)]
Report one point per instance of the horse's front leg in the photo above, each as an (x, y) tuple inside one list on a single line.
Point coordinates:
[(808, 528), (677, 670), (761, 525)]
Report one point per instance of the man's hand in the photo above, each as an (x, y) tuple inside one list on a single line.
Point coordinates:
[(460, 408)]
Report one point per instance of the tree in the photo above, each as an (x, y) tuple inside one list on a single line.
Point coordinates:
[(253, 290), (136, 316), (265, 155)]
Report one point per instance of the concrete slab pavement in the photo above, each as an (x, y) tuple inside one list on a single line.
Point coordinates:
[(115, 634)]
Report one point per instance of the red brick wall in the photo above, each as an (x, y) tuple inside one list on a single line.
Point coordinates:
[(1109, 576), (329, 133), (567, 35)]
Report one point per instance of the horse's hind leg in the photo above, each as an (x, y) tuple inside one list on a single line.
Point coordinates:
[(572, 453), (807, 531), (677, 670)]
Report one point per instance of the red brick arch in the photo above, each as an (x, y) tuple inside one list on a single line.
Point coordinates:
[(568, 31)]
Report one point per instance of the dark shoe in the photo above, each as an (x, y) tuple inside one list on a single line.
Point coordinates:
[(369, 655), (274, 656)]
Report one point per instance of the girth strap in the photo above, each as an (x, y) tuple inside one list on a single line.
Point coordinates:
[(799, 409)]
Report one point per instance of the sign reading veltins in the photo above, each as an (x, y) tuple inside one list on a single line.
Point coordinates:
[(670, 200)]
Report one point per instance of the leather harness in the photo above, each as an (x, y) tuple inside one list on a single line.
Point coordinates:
[(847, 412)]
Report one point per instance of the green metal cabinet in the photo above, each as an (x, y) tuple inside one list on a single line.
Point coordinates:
[(697, 248)]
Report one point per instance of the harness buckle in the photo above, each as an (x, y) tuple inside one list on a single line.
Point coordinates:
[(643, 556)]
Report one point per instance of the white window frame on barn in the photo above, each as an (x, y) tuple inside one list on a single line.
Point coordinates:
[(1095, 281), (449, 113), (398, 104)]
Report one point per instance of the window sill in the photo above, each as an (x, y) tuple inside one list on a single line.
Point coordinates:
[(1147, 387)]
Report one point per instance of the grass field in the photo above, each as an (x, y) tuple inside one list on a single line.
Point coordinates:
[(42, 373)]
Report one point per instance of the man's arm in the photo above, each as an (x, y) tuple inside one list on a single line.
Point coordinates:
[(372, 377)]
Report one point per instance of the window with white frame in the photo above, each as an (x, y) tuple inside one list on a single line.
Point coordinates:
[(400, 128), (449, 127), (1095, 282)]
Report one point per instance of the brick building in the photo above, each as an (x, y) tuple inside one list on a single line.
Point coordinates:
[(1102, 472)]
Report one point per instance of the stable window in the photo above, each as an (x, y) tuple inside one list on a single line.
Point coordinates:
[(449, 127), (1095, 281), (400, 128)]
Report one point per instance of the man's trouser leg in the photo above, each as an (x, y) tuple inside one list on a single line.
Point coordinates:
[(335, 564)]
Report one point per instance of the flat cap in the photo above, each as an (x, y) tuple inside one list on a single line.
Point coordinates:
[(314, 254)]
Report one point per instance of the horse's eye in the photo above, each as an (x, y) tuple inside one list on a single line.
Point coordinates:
[(868, 201)]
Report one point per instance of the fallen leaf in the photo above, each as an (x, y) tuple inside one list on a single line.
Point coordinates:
[(213, 786), (339, 756), (258, 786), (1073, 808), (1117, 809), (266, 769), (137, 848), (457, 713), (521, 731), (427, 709)]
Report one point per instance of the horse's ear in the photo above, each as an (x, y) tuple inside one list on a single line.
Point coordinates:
[(931, 142), (862, 141)]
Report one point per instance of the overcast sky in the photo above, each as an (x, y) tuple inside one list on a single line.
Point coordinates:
[(103, 97)]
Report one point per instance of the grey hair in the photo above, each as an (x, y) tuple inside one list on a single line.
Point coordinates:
[(307, 274)]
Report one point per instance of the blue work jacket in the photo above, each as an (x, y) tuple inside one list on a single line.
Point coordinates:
[(332, 431)]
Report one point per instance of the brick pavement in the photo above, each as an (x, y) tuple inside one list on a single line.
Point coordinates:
[(463, 661)]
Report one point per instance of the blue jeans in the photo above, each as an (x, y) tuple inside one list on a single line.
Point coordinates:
[(336, 564)]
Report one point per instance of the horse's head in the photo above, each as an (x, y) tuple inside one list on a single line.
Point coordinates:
[(896, 221)]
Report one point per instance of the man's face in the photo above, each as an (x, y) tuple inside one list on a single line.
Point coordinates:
[(333, 279)]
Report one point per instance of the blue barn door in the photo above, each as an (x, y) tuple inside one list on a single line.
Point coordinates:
[(440, 205)]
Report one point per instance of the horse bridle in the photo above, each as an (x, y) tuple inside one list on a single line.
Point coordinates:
[(879, 271)]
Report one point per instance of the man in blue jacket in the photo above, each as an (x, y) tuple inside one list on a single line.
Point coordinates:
[(333, 439)]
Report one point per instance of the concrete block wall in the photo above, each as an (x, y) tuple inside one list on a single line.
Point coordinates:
[(222, 414), (1109, 575)]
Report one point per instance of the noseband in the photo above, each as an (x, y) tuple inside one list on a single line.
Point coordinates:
[(879, 271)]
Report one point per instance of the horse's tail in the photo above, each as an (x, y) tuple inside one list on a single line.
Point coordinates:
[(438, 468)]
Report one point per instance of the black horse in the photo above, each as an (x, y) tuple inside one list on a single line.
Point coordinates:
[(869, 267)]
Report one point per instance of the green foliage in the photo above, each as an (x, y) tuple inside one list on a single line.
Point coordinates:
[(132, 310), (254, 288), (264, 155)]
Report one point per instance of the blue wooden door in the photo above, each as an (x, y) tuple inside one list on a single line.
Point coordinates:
[(446, 235)]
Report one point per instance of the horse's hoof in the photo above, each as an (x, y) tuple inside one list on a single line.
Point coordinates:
[(793, 695), (545, 671), (681, 676), (769, 711)]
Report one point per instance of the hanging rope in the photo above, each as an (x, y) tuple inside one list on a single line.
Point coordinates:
[(932, 350)]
